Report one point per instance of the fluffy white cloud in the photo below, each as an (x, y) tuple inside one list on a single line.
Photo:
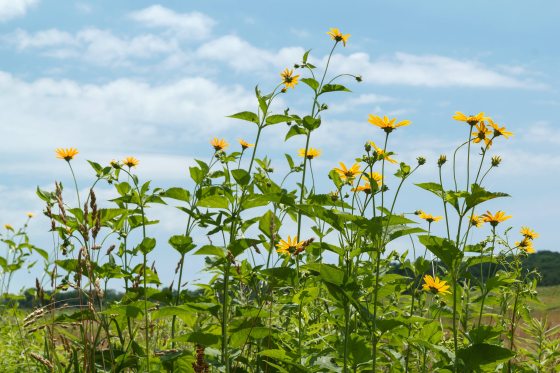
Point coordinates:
[(192, 25), (93, 45), (430, 71), (243, 56), (117, 118), (15, 8)]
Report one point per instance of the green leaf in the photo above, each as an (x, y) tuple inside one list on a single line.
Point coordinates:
[(311, 123), (478, 355), (183, 244), (197, 174), (268, 221), (147, 245), (278, 118), (238, 246), (290, 160), (312, 83), (214, 201), (178, 194), (294, 131), (444, 249), (246, 115), (334, 88), (241, 176), (478, 195), (327, 272), (432, 187), (201, 338), (211, 250)]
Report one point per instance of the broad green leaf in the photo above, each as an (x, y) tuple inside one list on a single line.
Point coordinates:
[(147, 245), (183, 244), (269, 223), (211, 250), (294, 131), (311, 123), (180, 194), (246, 115), (444, 249), (479, 355), (241, 176), (333, 88), (312, 83), (214, 201), (478, 195), (277, 118), (327, 272)]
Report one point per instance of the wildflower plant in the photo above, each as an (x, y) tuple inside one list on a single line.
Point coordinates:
[(305, 276)]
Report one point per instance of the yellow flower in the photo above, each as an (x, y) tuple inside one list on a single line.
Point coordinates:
[(470, 119), (482, 133), (311, 153), (385, 123), (30, 215), (219, 144), (131, 162), (499, 131), (244, 144), (288, 79), (381, 153), (526, 245), (337, 36), (376, 176), (290, 246), (429, 217), (66, 153), (8, 227), (366, 188), (435, 285), (529, 233), (348, 174), (476, 221), (495, 219)]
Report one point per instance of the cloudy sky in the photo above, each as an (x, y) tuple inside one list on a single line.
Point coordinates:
[(157, 80)]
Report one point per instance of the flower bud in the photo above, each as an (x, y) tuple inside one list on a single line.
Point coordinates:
[(359, 78), (496, 160), (367, 146), (441, 160), (421, 160)]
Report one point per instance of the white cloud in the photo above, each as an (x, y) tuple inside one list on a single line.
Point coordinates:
[(93, 45), (542, 132), (243, 56), (368, 99), (121, 117), (430, 71), (192, 25), (15, 8)]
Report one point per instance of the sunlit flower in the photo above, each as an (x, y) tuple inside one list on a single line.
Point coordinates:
[(66, 153), (288, 79), (499, 131), (526, 245), (429, 217), (436, 285), (366, 188), (244, 144), (348, 174), (381, 154), (470, 119), (385, 123), (289, 246), (495, 219), (482, 133), (311, 153), (476, 221), (529, 233), (30, 215), (337, 36), (376, 176), (8, 227), (219, 144), (131, 162)]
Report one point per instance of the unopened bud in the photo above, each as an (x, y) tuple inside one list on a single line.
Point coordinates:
[(421, 160), (441, 160)]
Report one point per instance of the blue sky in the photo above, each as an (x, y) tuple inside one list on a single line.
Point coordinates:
[(156, 80)]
